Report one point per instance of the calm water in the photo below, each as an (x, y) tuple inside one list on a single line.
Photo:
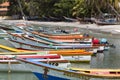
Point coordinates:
[(108, 59)]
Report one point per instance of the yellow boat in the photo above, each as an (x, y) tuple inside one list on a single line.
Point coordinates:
[(61, 52), (99, 73), (73, 53)]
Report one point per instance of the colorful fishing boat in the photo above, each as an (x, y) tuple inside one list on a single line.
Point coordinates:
[(34, 56), (49, 41), (103, 73), (61, 37), (85, 40), (107, 19), (20, 39), (24, 46), (45, 71), (64, 36), (34, 40), (78, 55), (32, 44), (78, 59), (51, 59)]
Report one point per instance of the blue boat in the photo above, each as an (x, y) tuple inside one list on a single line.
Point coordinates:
[(48, 72)]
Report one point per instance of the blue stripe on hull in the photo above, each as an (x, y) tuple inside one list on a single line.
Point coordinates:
[(49, 77)]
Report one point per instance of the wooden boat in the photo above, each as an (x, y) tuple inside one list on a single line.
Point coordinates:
[(51, 59), (50, 51), (85, 20), (20, 39), (15, 67), (84, 40), (76, 55), (20, 45), (103, 73), (106, 22), (30, 46), (33, 56), (31, 43), (64, 41), (72, 56), (47, 40), (37, 48), (5, 27), (74, 42), (9, 61), (78, 59), (45, 71), (47, 56), (41, 44), (34, 40), (107, 19), (4, 33), (70, 19), (67, 36)]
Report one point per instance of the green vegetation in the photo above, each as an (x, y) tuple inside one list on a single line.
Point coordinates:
[(59, 8)]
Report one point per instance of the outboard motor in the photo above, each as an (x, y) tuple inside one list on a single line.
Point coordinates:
[(103, 41)]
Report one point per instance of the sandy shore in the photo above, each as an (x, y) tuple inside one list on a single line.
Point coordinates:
[(113, 29)]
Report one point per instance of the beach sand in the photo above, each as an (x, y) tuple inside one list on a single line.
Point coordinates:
[(112, 29)]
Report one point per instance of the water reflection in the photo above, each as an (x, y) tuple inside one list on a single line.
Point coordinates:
[(110, 58), (97, 61)]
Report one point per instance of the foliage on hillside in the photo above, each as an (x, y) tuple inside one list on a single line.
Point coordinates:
[(59, 8)]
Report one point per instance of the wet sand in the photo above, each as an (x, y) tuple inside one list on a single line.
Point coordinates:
[(112, 29)]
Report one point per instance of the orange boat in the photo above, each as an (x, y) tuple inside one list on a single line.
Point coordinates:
[(74, 54), (67, 51), (67, 36), (70, 52), (99, 73)]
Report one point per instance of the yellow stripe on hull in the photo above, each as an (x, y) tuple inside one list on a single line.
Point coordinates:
[(10, 49)]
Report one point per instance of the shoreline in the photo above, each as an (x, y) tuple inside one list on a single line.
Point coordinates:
[(110, 29)]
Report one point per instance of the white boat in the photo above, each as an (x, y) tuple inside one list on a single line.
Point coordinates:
[(51, 59), (78, 58), (108, 19), (45, 71)]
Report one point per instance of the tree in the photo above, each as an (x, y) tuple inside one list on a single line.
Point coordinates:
[(15, 9), (89, 7), (59, 8), (64, 8), (41, 7), (1, 1)]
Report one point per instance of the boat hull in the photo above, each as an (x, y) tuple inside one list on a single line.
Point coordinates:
[(45, 71), (49, 72)]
